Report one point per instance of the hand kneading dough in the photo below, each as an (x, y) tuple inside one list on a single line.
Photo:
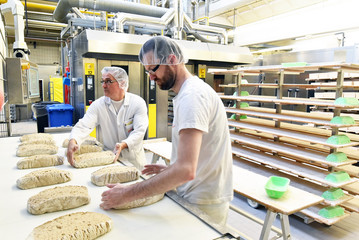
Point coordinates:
[(35, 149), (79, 225), (58, 199), (43, 177), (93, 159), (141, 202), (114, 174), (37, 161), (36, 136)]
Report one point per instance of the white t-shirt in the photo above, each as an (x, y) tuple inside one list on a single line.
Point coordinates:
[(198, 106)]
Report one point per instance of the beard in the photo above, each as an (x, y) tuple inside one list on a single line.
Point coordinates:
[(169, 79)]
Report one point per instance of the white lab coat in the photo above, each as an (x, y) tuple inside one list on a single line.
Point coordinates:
[(129, 125)]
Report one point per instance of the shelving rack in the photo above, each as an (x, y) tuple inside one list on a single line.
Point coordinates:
[(279, 140)]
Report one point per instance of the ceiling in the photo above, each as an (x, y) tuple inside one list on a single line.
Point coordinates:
[(39, 22)]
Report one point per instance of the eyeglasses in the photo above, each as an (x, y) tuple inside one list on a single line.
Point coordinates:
[(107, 82), (152, 71)]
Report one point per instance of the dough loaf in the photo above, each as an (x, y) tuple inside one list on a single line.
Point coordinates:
[(58, 199), (38, 161), (79, 225), (43, 177), (88, 149), (114, 174), (93, 159), (142, 202), (38, 141), (36, 136), (89, 141), (35, 149)]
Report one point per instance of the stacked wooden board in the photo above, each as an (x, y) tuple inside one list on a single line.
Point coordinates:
[(297, 144)]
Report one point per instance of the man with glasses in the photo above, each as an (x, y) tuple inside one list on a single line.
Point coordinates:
[(120, 119), (201, 161)]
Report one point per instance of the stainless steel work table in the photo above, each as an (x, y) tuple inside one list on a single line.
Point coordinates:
[(163, 220)]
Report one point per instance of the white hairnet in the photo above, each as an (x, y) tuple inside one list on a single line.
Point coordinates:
[(160, 47), (119, 74)]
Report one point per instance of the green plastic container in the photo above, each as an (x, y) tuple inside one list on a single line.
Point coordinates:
[(338, 139), (346, 101), (240, 117), (244, 105), (337, 157), (337, 177), (342, 120), (244, 93), (331, 212), (294, 64), (276, 186), (333, 194)]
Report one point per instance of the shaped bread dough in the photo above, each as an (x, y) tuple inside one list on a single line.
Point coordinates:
[(114, 174), (38, 141), (58, 199), (38, 161), (36, 136), (35, 149), (79, 225), (89, 141), (93, 159), (142, 202), (43, 177), (88, 149)]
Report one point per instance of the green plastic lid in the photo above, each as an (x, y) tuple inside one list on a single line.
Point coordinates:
[(338, 139), (337, 157), (244, 93), (294, 64), (333, 194), (331, 212), (244, 105), (342, 120), (337, 177), (346, 101)]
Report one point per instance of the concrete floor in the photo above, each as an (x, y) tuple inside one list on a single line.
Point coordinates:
[(347, 229)]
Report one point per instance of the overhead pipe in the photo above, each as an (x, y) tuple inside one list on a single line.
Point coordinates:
[(205, 29), (53, 25), (133, 18), (64, 6)]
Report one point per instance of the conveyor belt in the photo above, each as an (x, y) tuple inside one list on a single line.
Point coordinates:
[(167, 219)]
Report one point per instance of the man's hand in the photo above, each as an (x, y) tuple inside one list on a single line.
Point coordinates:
[(113, 197), (118, 148), (153, 169), (71, 149)]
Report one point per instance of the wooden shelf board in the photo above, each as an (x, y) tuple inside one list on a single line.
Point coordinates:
[(292, 201), (296, 168), (352, 205), (296, 152), (286, 101), (351, 152), (305, 129), (288, 70), (350, 169), (295, 181), (314, 115), (284, 117), (352, 188), (288, 133)]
